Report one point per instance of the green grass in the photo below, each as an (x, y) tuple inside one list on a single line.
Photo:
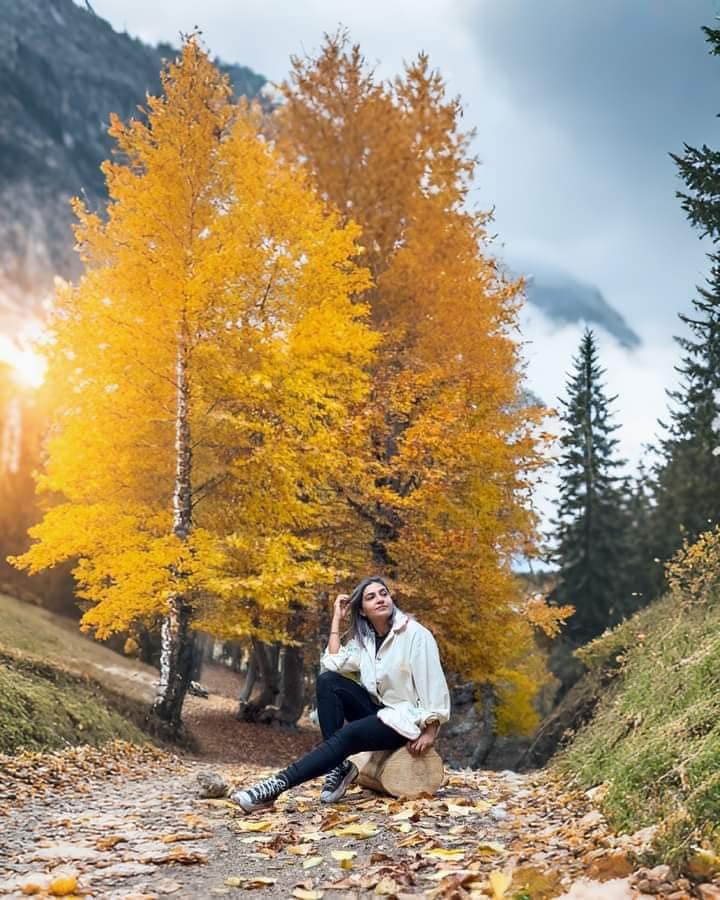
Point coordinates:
[(60, 688), (655, 736), (44, 708)]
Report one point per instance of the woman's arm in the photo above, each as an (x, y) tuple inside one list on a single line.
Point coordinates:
[(337, 658), (432, 690), (342, 601)]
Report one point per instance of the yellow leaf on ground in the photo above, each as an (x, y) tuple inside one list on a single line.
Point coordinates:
[(442, 853), (490, 847), (499, 882), (302, 894), (357, 829), (300, 849), (412, 840), (263, 825), (62, 886), (387, 887), (249, 883), (107, 843), (343, 854), (311, 862)]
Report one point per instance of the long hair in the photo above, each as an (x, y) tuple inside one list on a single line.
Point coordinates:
[(360, 628)]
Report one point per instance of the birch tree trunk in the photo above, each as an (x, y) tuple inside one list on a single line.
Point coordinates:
[(177, 639)]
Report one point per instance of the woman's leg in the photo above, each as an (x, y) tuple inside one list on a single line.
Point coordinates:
[(340, 700), (369, 733)]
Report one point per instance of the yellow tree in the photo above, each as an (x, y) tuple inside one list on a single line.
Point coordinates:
[(201, 372), (452, 446)]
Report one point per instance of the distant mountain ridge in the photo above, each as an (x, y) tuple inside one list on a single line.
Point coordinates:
[(565, 300), (63, 70)]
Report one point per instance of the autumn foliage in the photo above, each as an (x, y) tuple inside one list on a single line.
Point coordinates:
[(449, 445), (291, 360)]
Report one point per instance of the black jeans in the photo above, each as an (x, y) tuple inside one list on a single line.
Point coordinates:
[(341, 700)]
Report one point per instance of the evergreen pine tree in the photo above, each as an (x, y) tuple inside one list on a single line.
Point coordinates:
[(688, 475), (641, 571), (591, 525)]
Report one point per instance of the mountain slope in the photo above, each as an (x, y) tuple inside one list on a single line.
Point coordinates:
[(63, 70)]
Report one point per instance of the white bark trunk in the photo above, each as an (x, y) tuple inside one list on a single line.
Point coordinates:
[(176, 655)]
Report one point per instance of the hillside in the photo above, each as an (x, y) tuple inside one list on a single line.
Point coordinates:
[(653, 743), (58, 688)]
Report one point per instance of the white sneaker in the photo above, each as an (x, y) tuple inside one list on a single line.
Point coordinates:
[(337, 781), (261, 795)]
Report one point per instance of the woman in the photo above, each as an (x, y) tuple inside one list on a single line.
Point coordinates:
[(383, 689)]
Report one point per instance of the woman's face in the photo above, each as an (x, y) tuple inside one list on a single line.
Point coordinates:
[(376, 601)]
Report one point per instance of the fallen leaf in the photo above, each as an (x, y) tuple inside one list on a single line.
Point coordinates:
[(386, 886), (300, 849), (249, 884), (62, 886), (168, 887), (107, 843), (490, 847), (499, 882), (312, 861), (343, 854), (443, 853), (358, 829), (412, 840), (263, 825), (302, 894)]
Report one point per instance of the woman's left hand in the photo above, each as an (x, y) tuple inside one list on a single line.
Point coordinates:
[(423, 743)]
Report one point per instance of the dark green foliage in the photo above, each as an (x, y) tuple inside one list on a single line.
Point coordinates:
[(687, 479), (591, 525)]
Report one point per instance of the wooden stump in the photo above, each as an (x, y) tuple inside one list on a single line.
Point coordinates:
[(399, 772)]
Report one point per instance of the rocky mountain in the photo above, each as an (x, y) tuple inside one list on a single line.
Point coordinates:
[(63, 70)]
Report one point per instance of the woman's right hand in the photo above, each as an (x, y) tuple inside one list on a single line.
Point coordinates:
[(342, 604)]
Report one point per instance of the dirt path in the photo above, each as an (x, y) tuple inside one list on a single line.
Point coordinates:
[(124, 822)]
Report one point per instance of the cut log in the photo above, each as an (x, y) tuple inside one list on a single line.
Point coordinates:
[(399, 772)]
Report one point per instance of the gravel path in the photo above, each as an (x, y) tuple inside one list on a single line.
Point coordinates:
[(125, 822)]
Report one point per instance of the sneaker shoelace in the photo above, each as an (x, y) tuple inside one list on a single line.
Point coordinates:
[(335, 776), (268, 789)]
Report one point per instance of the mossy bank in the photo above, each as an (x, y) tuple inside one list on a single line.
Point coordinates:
[(59, 688), (654, 739), (43, 707)]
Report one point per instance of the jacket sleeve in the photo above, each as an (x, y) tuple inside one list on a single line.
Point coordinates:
[(429, 679), (345, 661)]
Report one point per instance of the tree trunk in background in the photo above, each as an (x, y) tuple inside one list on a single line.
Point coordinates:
[(292, 690), (266, 658), (247, 688), (177, 640), (487, 736)]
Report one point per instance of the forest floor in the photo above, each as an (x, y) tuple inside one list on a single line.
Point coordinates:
[(125, 821)]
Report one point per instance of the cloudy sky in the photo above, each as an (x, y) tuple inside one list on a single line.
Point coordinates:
[(576, 104)]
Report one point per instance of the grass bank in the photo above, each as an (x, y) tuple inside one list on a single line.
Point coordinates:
[(44, 707), (59, 688), (654, 739)]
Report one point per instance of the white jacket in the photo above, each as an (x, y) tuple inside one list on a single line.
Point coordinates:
[(405, 676)]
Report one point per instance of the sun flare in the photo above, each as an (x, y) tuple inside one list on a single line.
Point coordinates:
[(28, 366)]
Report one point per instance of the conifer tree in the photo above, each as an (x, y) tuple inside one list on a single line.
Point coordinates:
[(590, 528), (688, 476)]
